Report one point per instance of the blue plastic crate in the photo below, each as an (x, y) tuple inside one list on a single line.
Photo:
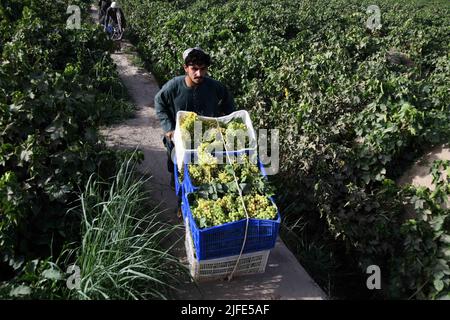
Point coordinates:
[(227, 239), (188, 186), (184, 205)]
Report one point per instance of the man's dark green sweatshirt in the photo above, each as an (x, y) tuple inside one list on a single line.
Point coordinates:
[(211, 98)]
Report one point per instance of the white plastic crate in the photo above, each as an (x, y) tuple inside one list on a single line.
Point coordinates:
[(221, 268), (184, 155)]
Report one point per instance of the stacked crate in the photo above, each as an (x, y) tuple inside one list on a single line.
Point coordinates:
[(218, 251)]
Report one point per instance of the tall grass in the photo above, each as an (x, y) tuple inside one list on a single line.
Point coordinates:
[(121, 255)]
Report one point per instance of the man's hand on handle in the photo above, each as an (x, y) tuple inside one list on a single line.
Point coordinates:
[(169, 135)]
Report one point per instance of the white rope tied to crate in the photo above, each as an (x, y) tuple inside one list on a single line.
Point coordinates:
[(230, 277)]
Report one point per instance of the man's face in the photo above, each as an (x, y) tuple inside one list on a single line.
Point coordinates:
[(196, 73)]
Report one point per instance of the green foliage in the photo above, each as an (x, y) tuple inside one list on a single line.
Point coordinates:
[(38, 279), (57, 86), (229, 208), (424, 262)]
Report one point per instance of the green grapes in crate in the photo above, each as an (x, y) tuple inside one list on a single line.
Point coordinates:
[(209, 171), (214, 133), (229, 208)]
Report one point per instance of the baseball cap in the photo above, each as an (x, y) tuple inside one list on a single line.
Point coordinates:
[(188, 51)]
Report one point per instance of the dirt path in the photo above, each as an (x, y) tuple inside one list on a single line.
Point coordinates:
[(419, 173), (143, 131)]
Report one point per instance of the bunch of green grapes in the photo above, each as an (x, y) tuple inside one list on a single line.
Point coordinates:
[(236, 135), (188, 121), (237, 124), (203, 212), (248, 173), (249, 170), (209, 213), (190, 118), (229, 208), (202, 174), (204, 157), (209, 124), (238, 212), (259, 207), (196, 174), (224, 176), (214, 134), (208, 170), (212, 140), (187, 128), (243, 166), (227, 203), (212, 146)]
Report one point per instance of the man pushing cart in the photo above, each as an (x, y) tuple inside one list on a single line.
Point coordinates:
[(195, 91)]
